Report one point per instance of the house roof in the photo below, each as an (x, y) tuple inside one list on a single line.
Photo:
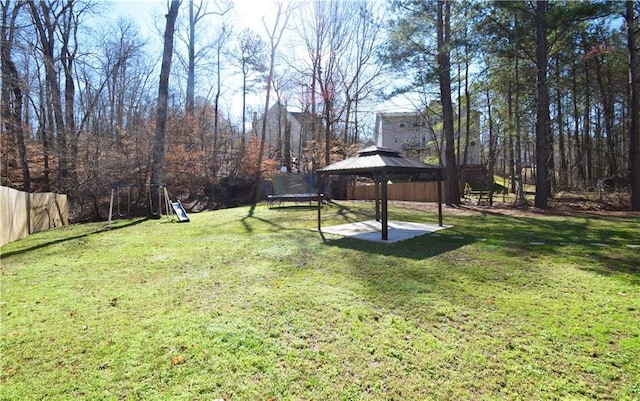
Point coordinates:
[(375, 159)]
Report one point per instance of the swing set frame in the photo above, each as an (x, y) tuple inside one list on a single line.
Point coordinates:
[(154, 210)]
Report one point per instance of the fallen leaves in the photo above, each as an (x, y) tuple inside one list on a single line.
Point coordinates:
[(10, 372), (176, 360)]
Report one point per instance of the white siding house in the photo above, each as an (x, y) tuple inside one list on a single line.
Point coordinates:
[(419, 136)]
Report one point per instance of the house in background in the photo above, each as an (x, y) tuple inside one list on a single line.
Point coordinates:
[(403, 131), (419, 136), (287, 135)]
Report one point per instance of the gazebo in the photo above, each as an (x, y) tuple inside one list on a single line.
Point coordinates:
[(382, 164)]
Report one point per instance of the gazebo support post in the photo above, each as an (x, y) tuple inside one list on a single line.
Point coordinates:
[(318, 192), (376, 180), (440, 199), (385, 209)]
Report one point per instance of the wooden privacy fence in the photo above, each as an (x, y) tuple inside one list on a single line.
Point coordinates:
[(409, 191), (22, 213)]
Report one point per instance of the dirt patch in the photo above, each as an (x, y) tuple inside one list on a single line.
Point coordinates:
[(564, 205)]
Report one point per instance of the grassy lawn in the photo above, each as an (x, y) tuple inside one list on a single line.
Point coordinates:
[(252, 304)]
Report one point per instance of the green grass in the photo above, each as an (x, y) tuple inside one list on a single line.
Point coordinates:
[(252, 304)]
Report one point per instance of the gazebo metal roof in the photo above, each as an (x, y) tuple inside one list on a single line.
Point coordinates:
[(375, 159), (381, 163)]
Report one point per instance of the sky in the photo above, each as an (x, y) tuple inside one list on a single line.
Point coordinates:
[(148, 13), (245, 13)]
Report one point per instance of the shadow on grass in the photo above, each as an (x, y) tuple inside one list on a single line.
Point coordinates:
[(598, 242), (562, 226), (604, 245), (252, 215), (293, 207), (615, 263), (399, 276), (67, 239), (417, 248), (349, 214)]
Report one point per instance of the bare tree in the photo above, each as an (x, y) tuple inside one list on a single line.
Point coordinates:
[(197, 13), (12, 96), (333, 16), (157, 172), (250, 55), (45, 16), (121, 51), (222, 38), (313, 30), (358, 68), (275, 34)]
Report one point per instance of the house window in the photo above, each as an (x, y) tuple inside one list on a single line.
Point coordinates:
[(401, 125)]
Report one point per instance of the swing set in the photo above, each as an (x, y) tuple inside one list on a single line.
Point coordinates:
[(121, 195)]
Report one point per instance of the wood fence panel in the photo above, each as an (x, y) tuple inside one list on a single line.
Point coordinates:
[(410, 191), (20, 210)]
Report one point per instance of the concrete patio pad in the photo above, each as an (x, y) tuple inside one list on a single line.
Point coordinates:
[(371, 230)]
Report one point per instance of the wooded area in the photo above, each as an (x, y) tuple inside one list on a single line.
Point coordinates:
[(84, 100)]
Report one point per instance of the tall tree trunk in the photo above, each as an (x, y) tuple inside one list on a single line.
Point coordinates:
[(45, 133), (467, 110), (157, 172), (263, 128), (491, 159), (277, 155), (67, 58), (597, 140), (12, 98), (561, 140), (510, 148), (244, 98), (586, 129), (609, 123), (604, 84), (634, 106), (355, 122), (286, 157), (191, 62), (542, 108), (46, 35), (452, 196), (216, 103), (519, 179), (458, 117), (328, 106), (347, 116), (578, 166), (275, 36), (241, 152)]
